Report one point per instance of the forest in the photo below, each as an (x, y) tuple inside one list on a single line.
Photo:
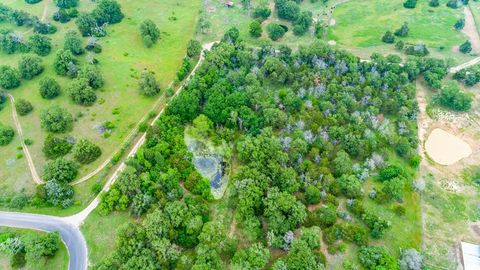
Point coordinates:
[(307, 129)]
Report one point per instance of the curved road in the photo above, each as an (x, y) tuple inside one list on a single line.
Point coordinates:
[(69, 227), (71, 236)]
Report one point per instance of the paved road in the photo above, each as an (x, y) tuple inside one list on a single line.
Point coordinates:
[(71, 236)]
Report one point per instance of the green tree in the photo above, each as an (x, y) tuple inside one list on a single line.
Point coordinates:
[(374, 258), (61, 170), (194, 48), (388, 37), (9, 77), (261, 12), (402, 31), (30, 66), (283, 211), (23, 106), (66, 3), (81, 93), (92, 75), (6, 134), (56, 119), (453, 98), (86, 24), (148, 84), (86, 152), (459, 24), (55, 147), (49, 88), (255, 29), (39, 44), (434, 3), (466, 47), (73, 43), (342, 163), (410, 3), (149, 32), (63, 61), (275, 31), (312, 194), (108, 11), (253, 258)]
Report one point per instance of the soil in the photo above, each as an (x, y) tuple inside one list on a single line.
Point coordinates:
[(470, 29), (446, 148)]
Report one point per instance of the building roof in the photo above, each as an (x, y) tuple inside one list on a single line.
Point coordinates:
[(470, 256)]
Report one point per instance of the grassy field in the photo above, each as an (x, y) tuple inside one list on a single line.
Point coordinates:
[(58, 262), (356, 28), (222, 18), (122, 60), (100, 233)]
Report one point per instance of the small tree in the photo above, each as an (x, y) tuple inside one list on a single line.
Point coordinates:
[(149, 32), (255, 29), (275, 31), (66, 3), (466, 47), (434, 3), (63, 62), (452, 97), (30, 66), (410, 3), (61, 170), (262, 12), (399, 45), (49, 88), (411, 260), (55, 147), (81, 93), (56, 119), (86, 152), (148, 84), (388, 37), (23, 107), (194, 48), (92, 75), (108, 11), (402, 31), (73, 43), (86, 24), (312, 194), (459, 24), (6, 134), (9, 77), (39, 44)]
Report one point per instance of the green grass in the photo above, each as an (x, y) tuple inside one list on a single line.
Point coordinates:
[(57, 262), (101, 233), (361, 24), (122, 60)]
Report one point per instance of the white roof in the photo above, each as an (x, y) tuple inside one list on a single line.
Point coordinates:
[(471, 256)]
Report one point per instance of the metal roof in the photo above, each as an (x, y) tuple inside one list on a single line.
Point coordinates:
[(470, 256)]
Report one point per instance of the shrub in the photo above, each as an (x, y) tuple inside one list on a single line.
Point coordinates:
[(92, 75), (148, 84), (410, 3), (61, 170), (49, 88), (411, 260), (255, 29), (275, 31), (6, 135), (64, 62), (466, 47), (9, 77), (66, 3), (453, 98), (108, 11), (23, 107), (261, 12), (373, 258), (56, 119), (86, 152), (73, 43), (459, 24), (39, 44), (402, 31), (55, 147), (312, 194), (434, 3), (149, 32), (194, 48), (30, 66), (388, 37), (417, 50), (81, 93), (32, 1)]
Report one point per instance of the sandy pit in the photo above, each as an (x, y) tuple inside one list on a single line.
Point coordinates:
[(445, 148)]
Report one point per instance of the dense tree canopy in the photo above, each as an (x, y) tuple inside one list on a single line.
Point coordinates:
[(30, 66)]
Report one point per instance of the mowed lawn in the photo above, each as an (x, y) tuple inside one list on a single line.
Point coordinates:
[(362, 23), (57, 262), (121, 62)]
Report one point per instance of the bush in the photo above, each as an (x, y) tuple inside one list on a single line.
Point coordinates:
[(149, 32), (23, 107), (92, 75), (66, 3), (73, 43), (411, 260), (261, 12), (39, 44), (434, 3), (459, 24), (32, 1), (402, 31), (184, 70), (312, 194), (6, 135), (417, 50), (86, 152), (81, 93), (410, 3), (194, 48), (388, 37), (55, 147), (255, 29), (64, 62), (56, 119), (30, 66), (108, 11), (9, 77), (373, 258), (61, 170), (148, 84), (49, 88), (466, 47), (275, 31), (452, 97), (19, 201)]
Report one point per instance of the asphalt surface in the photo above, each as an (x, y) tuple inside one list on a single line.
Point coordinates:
[(71, 235)]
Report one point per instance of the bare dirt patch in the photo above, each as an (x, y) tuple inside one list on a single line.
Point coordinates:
[(446, 148), (470, 30)]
